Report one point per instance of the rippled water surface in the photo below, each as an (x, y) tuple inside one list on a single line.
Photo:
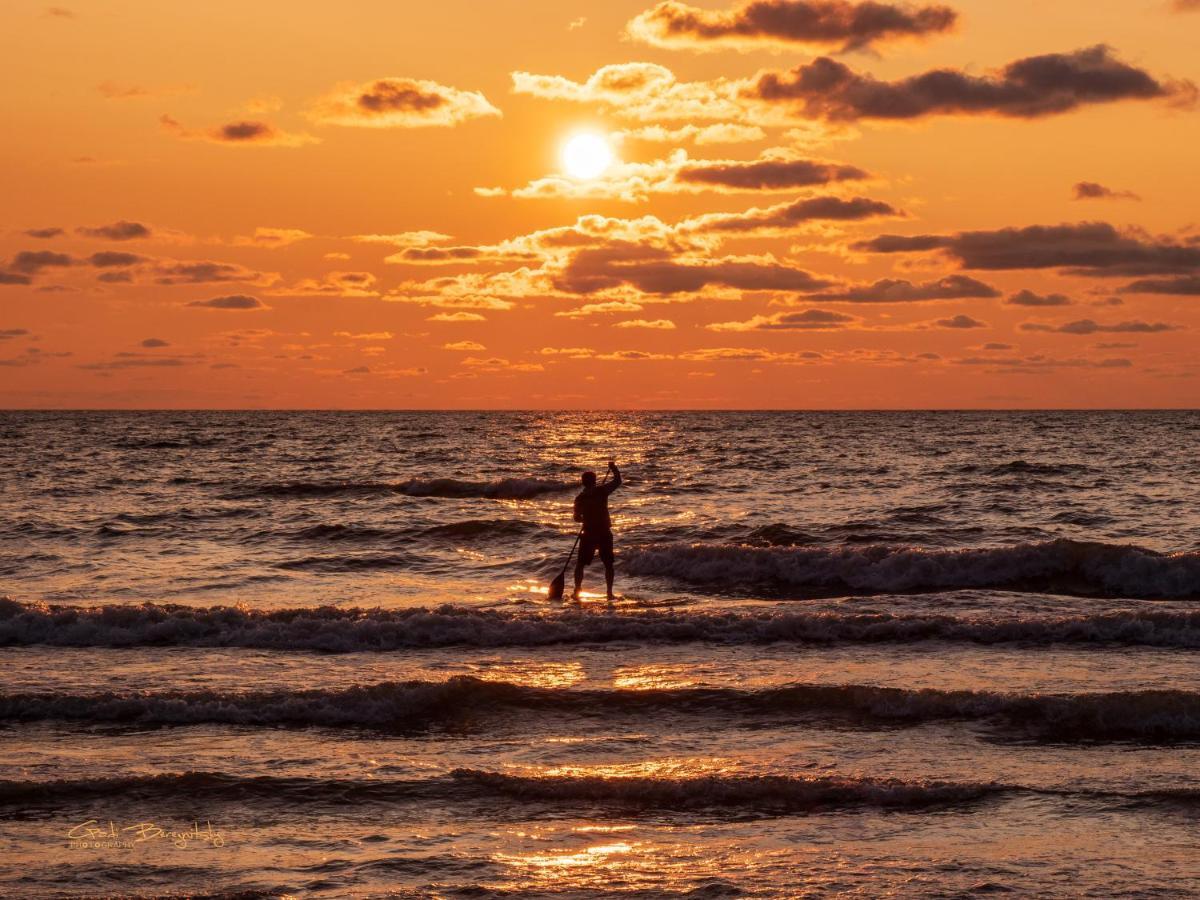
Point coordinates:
[(906, 654)]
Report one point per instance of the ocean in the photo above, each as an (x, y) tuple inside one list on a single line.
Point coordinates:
[(310, 654)]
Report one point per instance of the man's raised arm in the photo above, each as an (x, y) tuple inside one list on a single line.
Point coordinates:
[(616, 481)]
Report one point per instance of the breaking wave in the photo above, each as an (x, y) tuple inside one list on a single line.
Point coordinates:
[(750, 793), (1151, 715), (340, 630), (1074, 567), (503, 489)]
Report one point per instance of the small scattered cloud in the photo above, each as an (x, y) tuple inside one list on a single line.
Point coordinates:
[(154, 343), (272, 237), (468, 346), (959, 322), (456, 317), (1029, 298), (400, 103), (44, 233), (232, 301), (242, 133), (891, 290), (805, 24), (112, 90), (1182, 286), (58, 12), (7, 334), (808, 320), (1089, 326), (576, 24), (1090, 190), (654, 324), (117, 231)]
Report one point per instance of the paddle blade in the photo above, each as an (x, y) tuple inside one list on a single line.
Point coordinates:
[(556, 587)]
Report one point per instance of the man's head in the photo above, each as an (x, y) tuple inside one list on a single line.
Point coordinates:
[(589, 479)]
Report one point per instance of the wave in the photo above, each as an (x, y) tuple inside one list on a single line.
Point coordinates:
[(1063, 566), (1151, 715), (753, 793), (502, 489), (330, 629)]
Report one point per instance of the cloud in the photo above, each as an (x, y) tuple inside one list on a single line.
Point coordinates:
[(365, 336), (803, 23), (1087, 248), (109, 259), (600, 309), (1028, 88), (243, 133), (808, 320), (642, 91), (403, 239), (132, 361), (467, 346), (58, 12), (13, 278), (654, 324), (890, 290), (496, 364), (117, 231), (272, 237), (1186, 5), (456, 317), (959, 322), (766, 174), (7, 334), (333, 284), (155, 342), (232, 301), (44, 233), (707, 134), (400, 103), (169, 272), (791, 215), (655, 271), (1088, 326), (1090, 190), (32, 262), (1038, 364), (1029, 298), (1183, 286)]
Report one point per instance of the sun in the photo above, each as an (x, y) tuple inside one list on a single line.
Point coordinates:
[(586, 155)]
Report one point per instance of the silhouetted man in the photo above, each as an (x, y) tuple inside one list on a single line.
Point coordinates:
[(591, 508)]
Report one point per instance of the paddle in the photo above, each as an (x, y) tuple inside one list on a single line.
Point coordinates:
[(560, 581)]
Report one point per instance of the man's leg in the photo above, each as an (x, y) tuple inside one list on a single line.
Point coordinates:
[(606, 556), (578, 578), (608, 577)]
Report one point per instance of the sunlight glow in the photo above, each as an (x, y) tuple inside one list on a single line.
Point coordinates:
[(586, 155)]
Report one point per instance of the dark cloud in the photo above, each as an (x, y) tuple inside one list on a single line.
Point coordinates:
[(32, 262), (112, 259), (117, 231), (14, 278), (7, 334), (995, 345), (136, 362), (205, 272), (358, 370), (1186, 5), (1087, 248), (768, 174), (890, 290), (155, 342), (836, 23), (1183, 286), (1029, 298), (44, 233), (960, 321), (115, 277), (1028, 88), (793, 214), (59, 12), (652, 270), (1088, 326), (805, 320), (249, 133), (1038, 364), (233, 301), (1090, 190), (401, 103)]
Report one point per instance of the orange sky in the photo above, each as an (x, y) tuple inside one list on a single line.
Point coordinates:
[(364, 205)]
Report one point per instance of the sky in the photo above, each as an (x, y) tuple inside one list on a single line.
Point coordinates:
[(800, 204)]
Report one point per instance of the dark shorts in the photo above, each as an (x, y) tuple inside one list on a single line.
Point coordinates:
[(590, 543)]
